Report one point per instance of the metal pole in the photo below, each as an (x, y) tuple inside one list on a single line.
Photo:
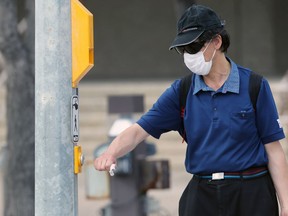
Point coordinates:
[(55, 181)]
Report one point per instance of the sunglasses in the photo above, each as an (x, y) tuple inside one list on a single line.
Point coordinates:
[(191, 48)]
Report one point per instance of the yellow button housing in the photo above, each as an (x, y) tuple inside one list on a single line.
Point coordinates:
[(82, 41)]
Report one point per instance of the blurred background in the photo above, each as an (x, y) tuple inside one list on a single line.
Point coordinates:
[(131, 40)]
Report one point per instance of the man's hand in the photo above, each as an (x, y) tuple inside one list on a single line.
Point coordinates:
[(125, 142), (284, 212), (104, 161)]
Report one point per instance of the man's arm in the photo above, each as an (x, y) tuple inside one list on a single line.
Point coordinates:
[(278, 168), (121, 145)]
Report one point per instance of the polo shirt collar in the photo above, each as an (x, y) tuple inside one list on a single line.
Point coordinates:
[(232, 83)]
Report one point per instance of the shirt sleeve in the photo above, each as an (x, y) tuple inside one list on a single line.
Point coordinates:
[(164, 116), (267, 121)]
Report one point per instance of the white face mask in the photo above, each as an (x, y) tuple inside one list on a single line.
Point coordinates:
[(196, 62)]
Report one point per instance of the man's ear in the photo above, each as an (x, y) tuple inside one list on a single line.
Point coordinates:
[(217, 42)]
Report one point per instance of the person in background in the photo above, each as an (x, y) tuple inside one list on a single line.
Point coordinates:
[(233, 150)]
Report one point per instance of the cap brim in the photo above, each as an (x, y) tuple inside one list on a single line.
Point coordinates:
[(183, 39)]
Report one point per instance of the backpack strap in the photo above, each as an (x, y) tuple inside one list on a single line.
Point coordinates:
[(185, 84), (255, 81)]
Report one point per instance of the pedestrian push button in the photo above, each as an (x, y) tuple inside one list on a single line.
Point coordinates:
[(78, 159)]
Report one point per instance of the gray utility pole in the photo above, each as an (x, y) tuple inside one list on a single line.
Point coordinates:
[(55, 181)]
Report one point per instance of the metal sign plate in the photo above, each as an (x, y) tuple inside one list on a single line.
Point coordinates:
[(75, 118)]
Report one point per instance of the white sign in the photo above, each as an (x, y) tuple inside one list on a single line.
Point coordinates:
[(75, 118)]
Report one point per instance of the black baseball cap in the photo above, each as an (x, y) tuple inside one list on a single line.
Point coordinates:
[(195, 20)]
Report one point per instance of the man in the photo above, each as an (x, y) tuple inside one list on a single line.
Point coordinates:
[(233, 150)]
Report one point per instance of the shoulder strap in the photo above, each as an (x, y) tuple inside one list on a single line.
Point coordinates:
[(184, 89), (254, 87)]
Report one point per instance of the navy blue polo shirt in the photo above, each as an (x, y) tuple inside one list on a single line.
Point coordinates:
[(223, 131)]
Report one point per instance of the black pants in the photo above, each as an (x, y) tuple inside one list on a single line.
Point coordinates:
[(229, 197)]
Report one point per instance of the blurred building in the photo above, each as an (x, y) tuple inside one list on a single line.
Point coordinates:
[(132, 37)]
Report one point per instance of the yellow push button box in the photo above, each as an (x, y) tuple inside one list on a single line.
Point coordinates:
[(78, 159), (82, 41)]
